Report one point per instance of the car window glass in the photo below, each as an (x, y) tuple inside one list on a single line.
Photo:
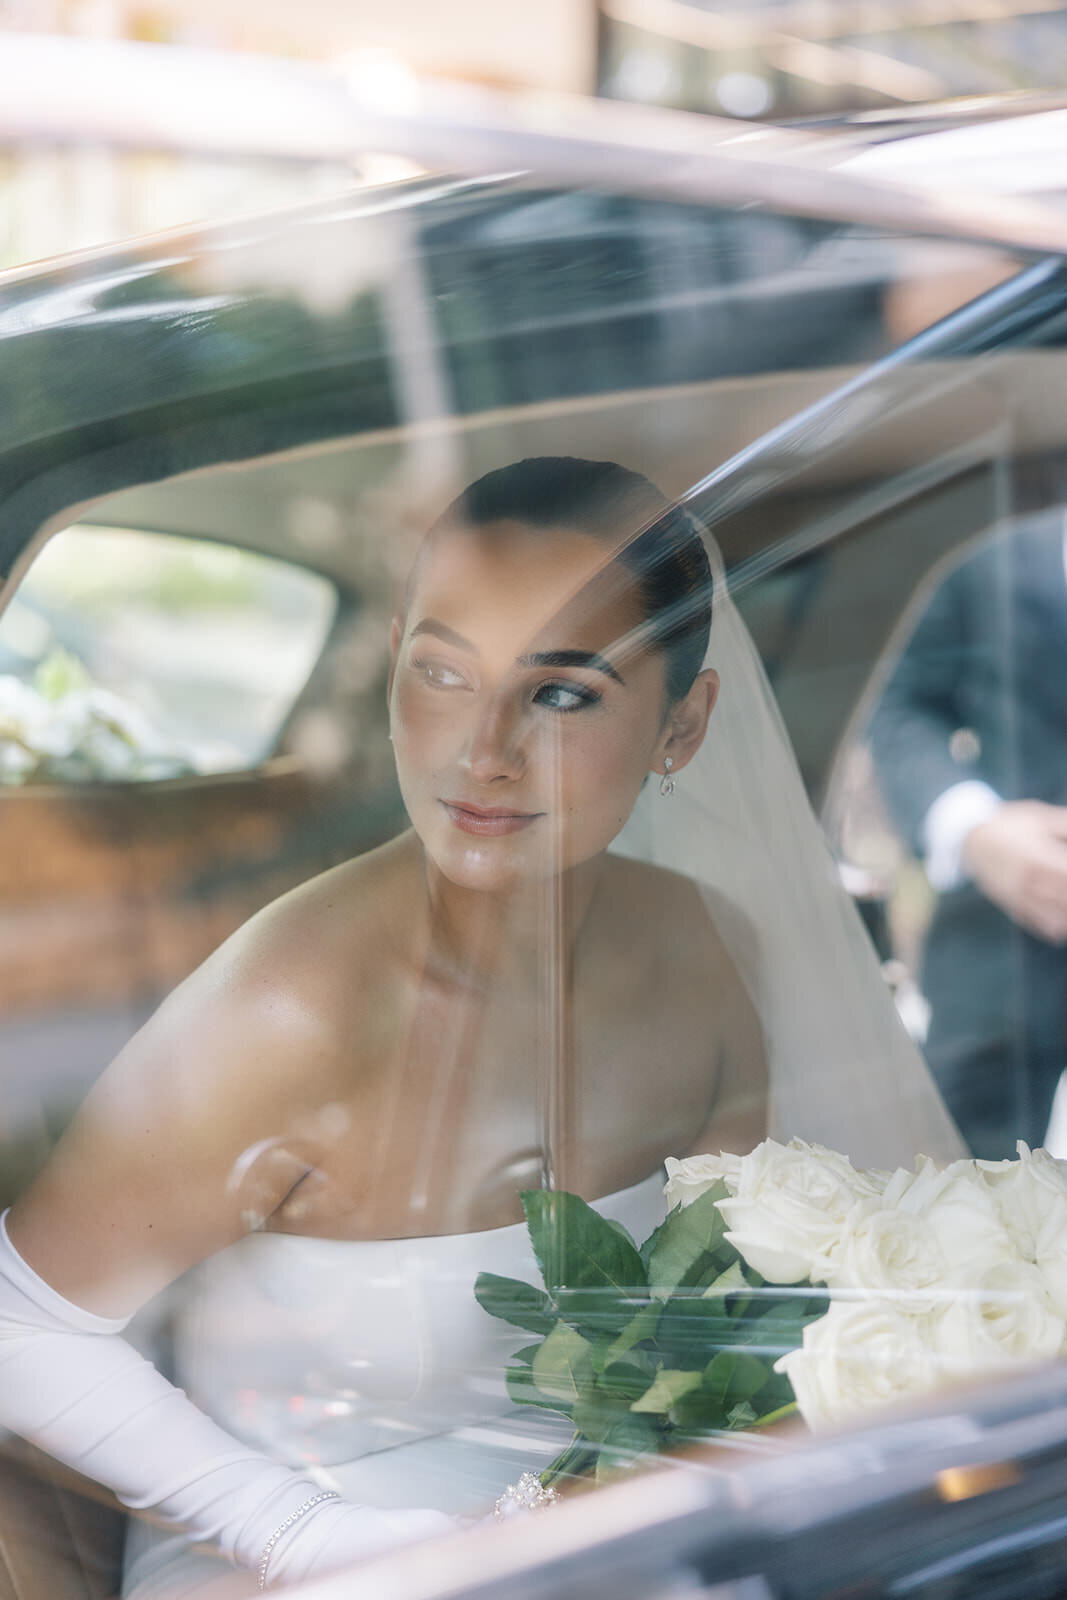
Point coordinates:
[(949, 809), (133, 656), (299, 432)]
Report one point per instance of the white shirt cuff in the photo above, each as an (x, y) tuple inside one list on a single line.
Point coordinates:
[(946, 826)]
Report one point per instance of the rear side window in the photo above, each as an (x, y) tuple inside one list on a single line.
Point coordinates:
[(130, 656)]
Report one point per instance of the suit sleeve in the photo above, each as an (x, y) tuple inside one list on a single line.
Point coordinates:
[(921, 708)]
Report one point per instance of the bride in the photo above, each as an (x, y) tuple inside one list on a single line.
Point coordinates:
[(603, 941)]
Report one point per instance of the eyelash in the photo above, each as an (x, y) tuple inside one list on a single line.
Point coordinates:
[(582, 694), (427, 668), (585, 697)]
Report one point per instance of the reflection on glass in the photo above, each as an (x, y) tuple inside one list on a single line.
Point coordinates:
[(133, 656), (607, 936), (605, 939), (970, 751)]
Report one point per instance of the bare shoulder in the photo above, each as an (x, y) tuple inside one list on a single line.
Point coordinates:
[(284, 983), (151, 1176), (356, 909), (666, 912)]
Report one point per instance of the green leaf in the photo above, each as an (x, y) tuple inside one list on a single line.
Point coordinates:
[(655, 1236), (593, 1312), (601, 1350), (627, 1444), (627, 1378), (596, 1414), (621, 1230), (731, 1282), (667, 1389), (577, 1249), (780, 1327), (733, 1376), (732, 1395), (516, 1302), (523, 1390), (718, 1262), (788, 1410), (563, 1366), (593, 1273), (775, 1396), (639, 1328), (718, 1191), (526, 1354), (695, 1415), (691, 1329), (682, 1244)]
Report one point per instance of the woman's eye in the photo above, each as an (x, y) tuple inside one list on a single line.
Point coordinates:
[(565, 696), (440, 675)]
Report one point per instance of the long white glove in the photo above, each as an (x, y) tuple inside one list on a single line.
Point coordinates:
[(69, 1384)]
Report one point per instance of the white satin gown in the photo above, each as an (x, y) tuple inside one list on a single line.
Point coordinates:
[(369, 1364)]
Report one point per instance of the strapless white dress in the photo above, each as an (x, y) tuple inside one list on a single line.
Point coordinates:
[(369, 1365)]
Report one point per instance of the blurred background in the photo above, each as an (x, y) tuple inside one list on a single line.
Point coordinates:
[(63, 186)]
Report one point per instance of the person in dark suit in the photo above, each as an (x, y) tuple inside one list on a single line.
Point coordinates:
[(970, 746)]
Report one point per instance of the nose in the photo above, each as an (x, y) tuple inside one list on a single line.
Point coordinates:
[(495, 749)]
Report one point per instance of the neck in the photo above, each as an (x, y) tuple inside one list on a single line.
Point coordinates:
[(477, 936)]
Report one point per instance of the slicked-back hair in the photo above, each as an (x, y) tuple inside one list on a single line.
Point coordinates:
[(659, 542)]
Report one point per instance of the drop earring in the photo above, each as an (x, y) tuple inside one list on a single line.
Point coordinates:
[(666, 783)]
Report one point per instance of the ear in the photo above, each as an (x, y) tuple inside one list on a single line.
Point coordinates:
[(687, 723), (396, 633)]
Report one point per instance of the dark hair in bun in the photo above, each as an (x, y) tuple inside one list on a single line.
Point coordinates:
[(666, 555)]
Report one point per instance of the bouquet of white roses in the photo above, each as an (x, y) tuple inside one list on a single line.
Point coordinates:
[(785, 1278), (935, 1274)]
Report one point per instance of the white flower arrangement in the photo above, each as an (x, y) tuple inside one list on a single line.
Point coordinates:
[(80, 733), (780, 1281), (935, 1275)]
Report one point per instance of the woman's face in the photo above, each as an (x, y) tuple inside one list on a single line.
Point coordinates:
[(523, 719)]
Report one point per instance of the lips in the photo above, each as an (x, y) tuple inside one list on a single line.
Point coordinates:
[(488, 821)]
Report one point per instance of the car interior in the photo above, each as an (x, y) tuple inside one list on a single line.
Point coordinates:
[(750, 364)]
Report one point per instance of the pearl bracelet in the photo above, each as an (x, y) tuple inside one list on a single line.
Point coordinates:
[(301, 1511)]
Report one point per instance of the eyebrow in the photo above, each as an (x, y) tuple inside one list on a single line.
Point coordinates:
[(540, 658), (571, 658), (441, 630)]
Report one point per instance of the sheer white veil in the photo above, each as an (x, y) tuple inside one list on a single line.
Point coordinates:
[(843, 1071)]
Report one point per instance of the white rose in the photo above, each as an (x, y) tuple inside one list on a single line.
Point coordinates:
[(959, 1210), (693, 1176), (888, 1250), (1053, 1269), (863, 1181), (1051, 1252), (1006, 1318), (1030, 1195), (789, 1210), (860, 1355)]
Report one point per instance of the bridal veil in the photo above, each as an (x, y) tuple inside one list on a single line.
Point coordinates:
[(843, 1071)]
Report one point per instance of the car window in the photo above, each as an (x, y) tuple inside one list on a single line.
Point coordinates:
[(133, 656), (850, 412), (949, 799), (333, 383)]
